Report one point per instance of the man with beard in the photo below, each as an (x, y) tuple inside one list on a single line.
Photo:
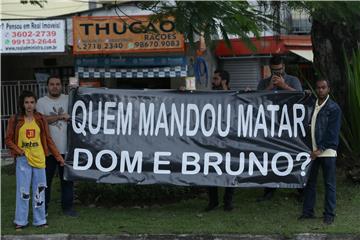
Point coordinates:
[(55, 108), (220, 82), (279, 80)]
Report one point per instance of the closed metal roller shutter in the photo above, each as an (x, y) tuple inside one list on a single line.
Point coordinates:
[(244, 73)]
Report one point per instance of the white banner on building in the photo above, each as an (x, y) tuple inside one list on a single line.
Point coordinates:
[(28, 36)]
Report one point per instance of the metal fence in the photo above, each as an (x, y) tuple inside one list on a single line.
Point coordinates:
[(10, 92)]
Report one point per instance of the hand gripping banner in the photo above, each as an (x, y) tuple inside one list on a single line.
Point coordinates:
[(215, 138)]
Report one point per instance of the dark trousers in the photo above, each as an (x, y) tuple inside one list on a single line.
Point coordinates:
[(328, 165), (67, 187), (213, 196)]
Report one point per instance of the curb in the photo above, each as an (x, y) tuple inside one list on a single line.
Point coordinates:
[(303, 236)]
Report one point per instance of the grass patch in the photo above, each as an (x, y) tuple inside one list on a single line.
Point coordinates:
[(129, 195), (278, 216)]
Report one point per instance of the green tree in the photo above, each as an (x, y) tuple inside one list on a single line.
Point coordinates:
[(212, 18), (335, 28), (350, 126)]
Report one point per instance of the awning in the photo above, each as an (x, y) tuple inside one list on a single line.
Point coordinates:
[(267, 45), (307, 54), (158, 72)]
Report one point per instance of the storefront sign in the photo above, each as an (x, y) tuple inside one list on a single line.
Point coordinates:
[(149, 72), (28, 36), (129, 61), (222, 138), (125, 35)]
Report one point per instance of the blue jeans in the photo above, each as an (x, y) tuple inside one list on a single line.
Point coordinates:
[(25, 176), (67, 187), (328, 165)]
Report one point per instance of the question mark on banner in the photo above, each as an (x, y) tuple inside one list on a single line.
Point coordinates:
[(304, 164)]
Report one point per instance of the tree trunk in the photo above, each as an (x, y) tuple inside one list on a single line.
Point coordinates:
[(328, 40)]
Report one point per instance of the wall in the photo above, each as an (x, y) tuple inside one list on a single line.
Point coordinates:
[(21, 66)]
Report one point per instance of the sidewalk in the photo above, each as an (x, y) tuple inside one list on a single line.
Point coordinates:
[(303, 236)]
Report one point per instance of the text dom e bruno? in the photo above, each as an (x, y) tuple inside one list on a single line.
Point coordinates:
[(191, 163)]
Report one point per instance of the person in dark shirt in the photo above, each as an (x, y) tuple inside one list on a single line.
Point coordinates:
[(278, 80), (220, 81)]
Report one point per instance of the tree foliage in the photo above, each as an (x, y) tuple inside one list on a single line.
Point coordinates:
[(211, 18), (350, 125), (342, 18), (39, 3)]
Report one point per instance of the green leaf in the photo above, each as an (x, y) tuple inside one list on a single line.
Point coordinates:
[(351, 126), (211, 18)]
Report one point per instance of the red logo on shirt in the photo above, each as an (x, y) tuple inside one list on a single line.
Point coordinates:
[(30, 133)]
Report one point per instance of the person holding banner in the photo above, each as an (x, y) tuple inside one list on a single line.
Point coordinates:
[(278, 80), (55, 108), (220, 81), (325, 130), (29, 141)]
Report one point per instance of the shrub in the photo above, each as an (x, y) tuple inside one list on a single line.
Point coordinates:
[(351, 121)]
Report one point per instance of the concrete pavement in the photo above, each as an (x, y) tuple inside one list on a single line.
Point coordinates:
[(304, 236)]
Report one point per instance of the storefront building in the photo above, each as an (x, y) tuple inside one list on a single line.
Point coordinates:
[(128, 52), (246, 67)]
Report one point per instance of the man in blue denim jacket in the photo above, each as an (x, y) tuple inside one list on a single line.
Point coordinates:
[(325, 129)]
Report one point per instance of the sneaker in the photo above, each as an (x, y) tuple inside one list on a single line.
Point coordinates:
[(304, 217), (19, 228), (328, 220), (45, 225), (211, 206), (70, 213)]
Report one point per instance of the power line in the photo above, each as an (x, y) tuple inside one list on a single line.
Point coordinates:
[(84, 1), (98, 2), (19, 15), (24, 15), (49, 9), (13, 13)]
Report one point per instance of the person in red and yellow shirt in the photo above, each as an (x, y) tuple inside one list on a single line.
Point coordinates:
[(29, 141)]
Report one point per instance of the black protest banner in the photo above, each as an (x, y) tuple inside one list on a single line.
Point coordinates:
[(222, 138)]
